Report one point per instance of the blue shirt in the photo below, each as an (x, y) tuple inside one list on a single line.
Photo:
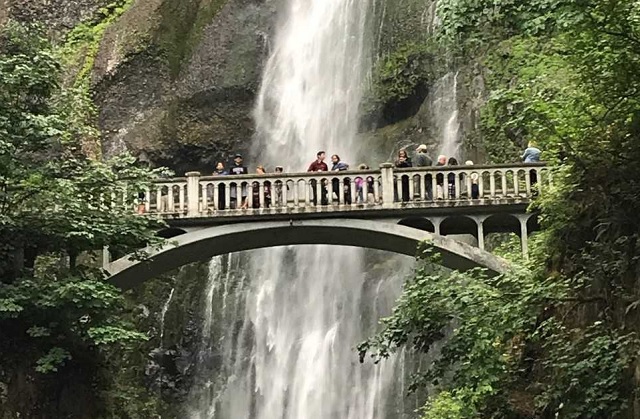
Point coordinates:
[(531, 155)]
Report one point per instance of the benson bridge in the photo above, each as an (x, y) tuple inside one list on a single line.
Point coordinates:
[(388, 209)]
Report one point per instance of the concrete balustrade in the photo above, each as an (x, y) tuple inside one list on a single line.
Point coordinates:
[(196, 196), (445, 201)]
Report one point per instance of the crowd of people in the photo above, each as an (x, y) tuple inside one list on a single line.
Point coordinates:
[(421, 159)]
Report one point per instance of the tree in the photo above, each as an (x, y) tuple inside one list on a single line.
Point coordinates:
[(561, 336), (58, 207)]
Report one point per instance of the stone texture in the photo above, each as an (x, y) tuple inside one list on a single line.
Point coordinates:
[(58, 16), (189, 108)]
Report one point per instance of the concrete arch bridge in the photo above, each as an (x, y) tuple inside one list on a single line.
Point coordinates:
[(386, 209)]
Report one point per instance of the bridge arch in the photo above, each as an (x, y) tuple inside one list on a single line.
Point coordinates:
[(213, 241)]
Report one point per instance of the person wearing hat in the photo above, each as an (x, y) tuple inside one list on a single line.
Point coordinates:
[(422, 159), (238, 169)]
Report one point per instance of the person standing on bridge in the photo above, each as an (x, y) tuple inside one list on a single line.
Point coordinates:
[(340, 166), (278, 187), (238, 169), (220, 171), (475, 178), (255, 187), (532, 155), (422, 159), (442, 161), (403, 162), (318, 165), (451, 178)]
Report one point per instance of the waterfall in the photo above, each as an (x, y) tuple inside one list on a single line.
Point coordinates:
[(280, 344), (163, 314), (444, 107)]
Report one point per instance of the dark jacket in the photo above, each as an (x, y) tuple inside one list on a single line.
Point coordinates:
[(238, 170), (423, 160), (406, 163)]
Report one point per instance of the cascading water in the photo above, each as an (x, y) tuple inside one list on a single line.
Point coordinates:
[(163, 314), (280, 345), (445, 114)]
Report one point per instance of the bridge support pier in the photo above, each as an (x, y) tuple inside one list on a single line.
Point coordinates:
[(480, 223), (106, 258), (436, 221), (524, 234)]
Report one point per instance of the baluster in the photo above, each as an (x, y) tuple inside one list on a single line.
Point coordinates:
[(215, 194), (340, 191), (481, 184), (227, 195), (492, 184), (376, 191), (261, 192), (434, 186), (284, 203), (516, 183), (398, 181), (352, 191), (411, 182), (250, 194), (307, 185), (457, 186), (505, 192), (468, 183), (365, 190), (181, 198), (527, 182), (170, 199), (540, 179), (445, 186), (203, 197), (318, 188), (157, 194)]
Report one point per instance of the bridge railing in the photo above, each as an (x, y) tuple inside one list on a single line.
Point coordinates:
[(388, 187)]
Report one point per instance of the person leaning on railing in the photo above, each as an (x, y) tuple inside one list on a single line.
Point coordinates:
[(475, 189), (266, 185), (532, 155), (220, 171), (402, 162), (319, 165)]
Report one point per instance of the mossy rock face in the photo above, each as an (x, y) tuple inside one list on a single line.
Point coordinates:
[(58, 16), (181, 87), (402, 22)]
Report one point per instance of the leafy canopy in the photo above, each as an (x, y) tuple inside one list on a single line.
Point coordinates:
[(58, 207)]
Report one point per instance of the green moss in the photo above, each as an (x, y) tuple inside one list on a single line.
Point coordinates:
[(181, 28), (77, 55), (83, 42), (399, 75)]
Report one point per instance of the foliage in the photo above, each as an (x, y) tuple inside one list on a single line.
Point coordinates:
[(559, 338), (56, 208), (400, 74)]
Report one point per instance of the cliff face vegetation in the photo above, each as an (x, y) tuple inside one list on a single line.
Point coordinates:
[(557, 337)]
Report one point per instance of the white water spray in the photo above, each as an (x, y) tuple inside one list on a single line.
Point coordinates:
[(163, 314), (284, 340), (445, 115)]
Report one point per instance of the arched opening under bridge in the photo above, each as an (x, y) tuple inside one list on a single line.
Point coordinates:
[(208, 242)]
